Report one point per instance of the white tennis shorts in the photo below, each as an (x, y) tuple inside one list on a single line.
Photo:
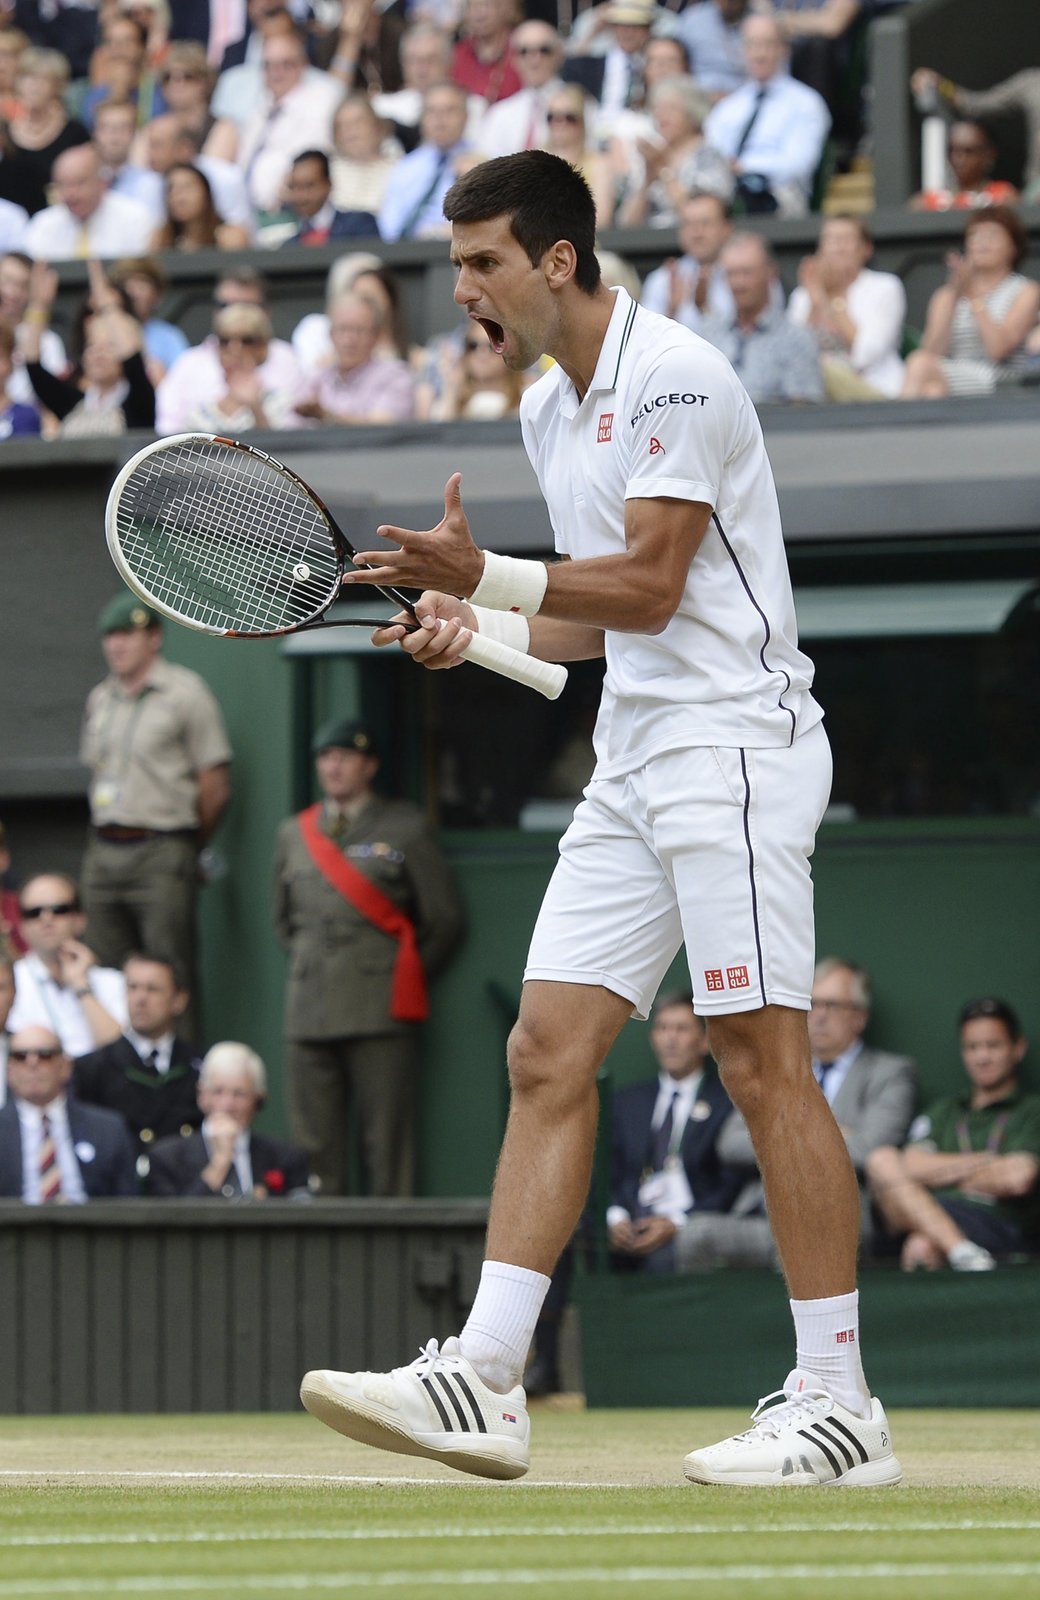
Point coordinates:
[(705, 847)]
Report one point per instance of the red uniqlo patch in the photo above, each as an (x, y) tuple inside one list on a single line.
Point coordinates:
[(846, 1336), (737, 977), (713, 979), (606, 427)]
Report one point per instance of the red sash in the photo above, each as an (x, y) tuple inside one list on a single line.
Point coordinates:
[(408, 1002)]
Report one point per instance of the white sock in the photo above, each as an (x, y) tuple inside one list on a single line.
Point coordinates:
[(500, 1326), (827, 1335)]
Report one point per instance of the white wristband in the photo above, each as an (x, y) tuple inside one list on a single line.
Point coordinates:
[(510, 585), (505, 626)]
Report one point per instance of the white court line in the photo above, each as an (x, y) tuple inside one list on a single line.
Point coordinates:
[(532, 1577), (607, 1530)]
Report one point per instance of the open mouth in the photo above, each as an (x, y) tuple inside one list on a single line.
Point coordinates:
[(495, 332)]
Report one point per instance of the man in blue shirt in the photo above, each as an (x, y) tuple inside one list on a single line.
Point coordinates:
[(414, 195)]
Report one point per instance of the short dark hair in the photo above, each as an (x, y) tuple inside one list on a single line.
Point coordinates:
[(315, 155), (672, 998), (174, 968), (998, 1010), (545, 199), (1007, 219)]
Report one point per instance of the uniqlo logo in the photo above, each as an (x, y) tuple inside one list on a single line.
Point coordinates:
[(606, 428), (714, 980), (847, 1336), (737, 977)]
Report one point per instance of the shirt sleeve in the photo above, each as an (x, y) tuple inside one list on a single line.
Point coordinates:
[(680, 426)]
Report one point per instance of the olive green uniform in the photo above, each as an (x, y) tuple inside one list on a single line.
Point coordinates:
[(1005, 1127), (343, 1048)]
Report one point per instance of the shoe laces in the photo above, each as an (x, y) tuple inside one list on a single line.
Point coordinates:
[(428, 1360), (780, 1410)]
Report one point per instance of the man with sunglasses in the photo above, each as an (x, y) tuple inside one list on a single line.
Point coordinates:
[(52, 1149), (518, 122), (59, 984)]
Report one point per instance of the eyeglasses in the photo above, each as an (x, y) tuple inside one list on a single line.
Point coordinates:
[(47, 1053), (182, 77), (562, 116), (239, 338), (30, 913), (534, 50)]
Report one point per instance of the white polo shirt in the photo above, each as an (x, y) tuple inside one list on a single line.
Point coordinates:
[(666, 417)]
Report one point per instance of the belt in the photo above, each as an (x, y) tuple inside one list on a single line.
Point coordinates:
[(116, 833)]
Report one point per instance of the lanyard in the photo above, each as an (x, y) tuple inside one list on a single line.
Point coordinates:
[(128, 736), (992, 1144)]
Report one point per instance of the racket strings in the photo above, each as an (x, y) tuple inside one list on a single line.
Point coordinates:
[(226, 540)]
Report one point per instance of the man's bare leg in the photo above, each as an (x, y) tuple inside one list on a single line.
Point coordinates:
[(907, 1205)]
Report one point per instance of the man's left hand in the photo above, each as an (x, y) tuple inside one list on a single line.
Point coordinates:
[(651, 1233), (444, 558)]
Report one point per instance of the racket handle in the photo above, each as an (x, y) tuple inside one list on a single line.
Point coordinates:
[(545, 676)]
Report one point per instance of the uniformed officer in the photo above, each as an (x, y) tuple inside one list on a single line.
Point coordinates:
[(154, 740), (366, 906)]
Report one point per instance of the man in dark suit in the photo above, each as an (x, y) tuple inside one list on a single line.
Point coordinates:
[(309, 190), (51, 1148), (615, 78), (148, 1075), (225, 1159), (665, 1162)]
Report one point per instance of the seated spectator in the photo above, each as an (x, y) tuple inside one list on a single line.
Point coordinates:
[(148, 1075), (87, 220), (977, 323), (665, 58), (568, 118), (240, 82), (360, 386), (308, 191), (187, 81), (38, 135), (120, 69), (169, 144), (871, 1093), (965, 1192), (676, 160), (972, 156), (518, 122), (774, 359), (1020, 93), (52, 1149), (192, 221), (113, 391), (6, 1002), (482, 62), (615, 79), (474, 382), (426, 52), (363, 156), (143, 282), (712, 35), (772, 129), (692, 286), (413, 198), (16, 418), (59, 983), (665, 1167), (311, 338), (197, 377), (856, 315), (247, 398), (12, 939), (15, 293), (225, 1159), (115, 128)]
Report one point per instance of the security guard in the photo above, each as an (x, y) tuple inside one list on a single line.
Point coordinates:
[(366, 906), (154, 740)]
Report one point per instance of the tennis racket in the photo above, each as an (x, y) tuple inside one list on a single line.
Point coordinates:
[(223, 538)]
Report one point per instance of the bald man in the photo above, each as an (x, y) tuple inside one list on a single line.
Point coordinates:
[(88, 219)]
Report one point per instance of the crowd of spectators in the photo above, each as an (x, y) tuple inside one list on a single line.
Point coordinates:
[(131, 132)]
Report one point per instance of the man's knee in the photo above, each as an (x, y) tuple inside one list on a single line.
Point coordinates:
[(884, 1166), (761, 1055)]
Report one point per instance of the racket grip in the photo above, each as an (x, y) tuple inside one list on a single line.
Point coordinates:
[(545, 676)]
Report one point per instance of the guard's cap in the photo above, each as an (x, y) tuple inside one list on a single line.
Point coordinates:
[(344, 733), (126, 611)]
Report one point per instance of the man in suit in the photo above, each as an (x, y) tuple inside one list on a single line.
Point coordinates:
[(225, 1159), (53, 1149), (615, 79), (148, 1074), (870, 1092), (308, 189), (368, 910), (665, 1165)]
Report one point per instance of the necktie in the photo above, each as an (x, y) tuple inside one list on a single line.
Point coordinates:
[(660, 1145), (50, 1173), (152, 1060), (417, 210), (83, 243), (824, 1069), (750, 123), (261, 144)]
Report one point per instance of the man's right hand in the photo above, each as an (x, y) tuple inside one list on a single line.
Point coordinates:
[(447, 627)]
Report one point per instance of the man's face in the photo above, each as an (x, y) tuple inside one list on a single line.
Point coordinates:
[(836, 1020), (129, 651), (355, 334), (843, 247), (153, 1000), (631, 37), (114, 131), (308, 188), (763, 49), (443, 117), (664, 59), (498, 287), (231, 1094), (37, 1067), (6, 993), (679, 1040), (749, 275), (703, 229), (485, 18), (50, 914), (990, 1055), (424, 62), (164, 145), (538, 53), (78, 180), (14, 290), (970, 154), (282, 66), (345, 775)]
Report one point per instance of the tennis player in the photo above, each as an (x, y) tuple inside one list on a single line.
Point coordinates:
[(713, 771)]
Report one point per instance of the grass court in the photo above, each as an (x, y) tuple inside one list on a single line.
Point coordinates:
[(268, 1506)]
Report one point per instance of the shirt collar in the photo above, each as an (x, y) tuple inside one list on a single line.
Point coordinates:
[(144, 1047), (34, 1115), (685, 1088), (608, 364), (846, 1058), (158, 678)]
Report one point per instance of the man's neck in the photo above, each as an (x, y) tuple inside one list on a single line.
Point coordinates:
[(578, 352), (748, 321), (983, 1097), (133, 683)]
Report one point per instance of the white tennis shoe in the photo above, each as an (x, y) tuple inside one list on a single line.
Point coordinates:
[(437, 1408), (802, 1438)]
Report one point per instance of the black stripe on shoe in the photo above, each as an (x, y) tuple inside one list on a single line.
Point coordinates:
[(834, 1423), (835, 1440), (814, 1438), (435, 1397), (453, 1397), (468, 1392)]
